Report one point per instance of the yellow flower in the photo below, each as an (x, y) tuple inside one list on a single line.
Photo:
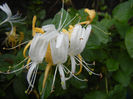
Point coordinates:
[(13, 39)]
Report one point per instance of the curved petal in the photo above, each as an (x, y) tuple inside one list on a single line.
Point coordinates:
[(49, 28), (85, 36), (73, 67), (62, 75), (6, 9), (38, 48), (75, 39), (50, 35)]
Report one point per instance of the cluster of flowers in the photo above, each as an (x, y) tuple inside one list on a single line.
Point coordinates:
[(12, 38), (55, 46)]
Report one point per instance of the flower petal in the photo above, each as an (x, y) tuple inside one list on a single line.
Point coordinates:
[(59, 55), (49, 28), (62, 75), (59, 40), (38, 48), (73, 67)]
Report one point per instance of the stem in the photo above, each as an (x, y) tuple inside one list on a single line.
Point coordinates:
[(106, 84)]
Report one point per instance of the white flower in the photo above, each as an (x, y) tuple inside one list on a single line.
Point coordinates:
[(59, 51), (78, 40), (36, 53), (59, 48), (11, 19)]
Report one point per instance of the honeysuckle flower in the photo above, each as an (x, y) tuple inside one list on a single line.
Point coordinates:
[(10, 18), (59, 52), (13, 39), (36, 53), (78, 39), (38, 50)]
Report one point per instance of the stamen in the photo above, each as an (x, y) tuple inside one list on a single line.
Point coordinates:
[(16, 15), (15, 70), (20, 63), (61, 14), (15, 46), (34, 78), (80, 70), (63, 22), (31, 85), (70, 21), (66, 71), (101, 30), (84, 62), (74, 75), (88, 69)]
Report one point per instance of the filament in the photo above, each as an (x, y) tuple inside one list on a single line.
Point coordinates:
[(15, 46)]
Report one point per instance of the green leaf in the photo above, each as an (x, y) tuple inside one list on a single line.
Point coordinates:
[(122, 78), (49, 21), (47, 90), (96, 95), (107, 22), (122, 28), (98, 54), (6, 60), (123, 12), (100, 31), (131, 3), (129, 42), (125, 62), (83, 15), (117, 92), (93, 43), (99, 34), (112, 65), (19, 88)]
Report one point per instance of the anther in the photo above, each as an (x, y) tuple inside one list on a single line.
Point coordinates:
[(26, 91), (81, 38), (9, 67), (85, 79), (101, 76), (94, 63)]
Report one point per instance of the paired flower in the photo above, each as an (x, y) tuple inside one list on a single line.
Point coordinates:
[(55, 45), (10, 18)]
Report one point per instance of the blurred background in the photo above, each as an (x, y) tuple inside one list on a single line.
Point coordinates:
[(110, 46)]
